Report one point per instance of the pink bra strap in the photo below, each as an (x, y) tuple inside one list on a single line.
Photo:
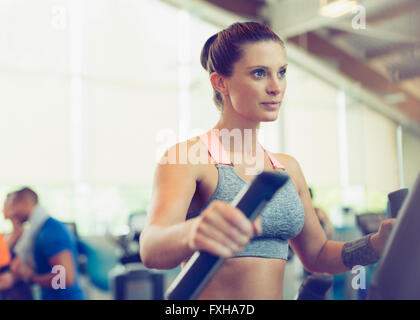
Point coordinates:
[(216, 151), (275, 163)]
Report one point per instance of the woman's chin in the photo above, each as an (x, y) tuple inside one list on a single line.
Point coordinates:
[(270, 116), (266, 116)]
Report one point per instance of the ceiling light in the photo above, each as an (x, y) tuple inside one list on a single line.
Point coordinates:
[(336, 8)]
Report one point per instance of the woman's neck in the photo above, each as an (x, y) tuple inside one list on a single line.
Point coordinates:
[(233, 121), (239, 137)]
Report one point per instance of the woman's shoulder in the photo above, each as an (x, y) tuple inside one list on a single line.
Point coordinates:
[(292, 167), (189, 152), (287, 160), (189, 155)]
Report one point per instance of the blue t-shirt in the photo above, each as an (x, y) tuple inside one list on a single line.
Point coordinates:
[(53, 238)]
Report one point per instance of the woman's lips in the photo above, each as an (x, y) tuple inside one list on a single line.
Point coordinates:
[(272, 105)]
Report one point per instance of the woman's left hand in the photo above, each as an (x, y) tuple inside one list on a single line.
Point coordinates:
[(379, 239)]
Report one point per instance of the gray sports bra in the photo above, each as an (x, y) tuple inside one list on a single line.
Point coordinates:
[(282, 218)]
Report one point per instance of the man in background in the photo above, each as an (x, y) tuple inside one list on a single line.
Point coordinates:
[(46, 252)]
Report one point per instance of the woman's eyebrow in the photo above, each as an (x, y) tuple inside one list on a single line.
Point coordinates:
[(265, 67)]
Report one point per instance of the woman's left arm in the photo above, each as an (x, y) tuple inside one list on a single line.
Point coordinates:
[(317, 253)]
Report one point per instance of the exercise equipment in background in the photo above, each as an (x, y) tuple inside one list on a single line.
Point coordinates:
[(397, 276), (135, 282), (315, 286)]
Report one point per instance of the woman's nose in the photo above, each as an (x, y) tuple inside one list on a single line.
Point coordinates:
[(274, 87)]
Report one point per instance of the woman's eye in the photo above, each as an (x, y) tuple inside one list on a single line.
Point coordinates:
[(259, 73), (282, 73)]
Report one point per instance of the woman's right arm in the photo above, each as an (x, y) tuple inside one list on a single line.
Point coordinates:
[(163, 242), (168, 239)]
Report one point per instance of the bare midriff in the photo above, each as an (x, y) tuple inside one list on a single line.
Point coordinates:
[(247, 278)]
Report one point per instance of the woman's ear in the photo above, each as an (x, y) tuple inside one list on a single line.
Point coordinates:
[(219, 83)]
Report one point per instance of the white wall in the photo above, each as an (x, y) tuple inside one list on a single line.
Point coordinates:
[(311, 127)]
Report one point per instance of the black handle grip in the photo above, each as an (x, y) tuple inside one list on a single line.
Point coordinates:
[(202, 265), (396, 200)]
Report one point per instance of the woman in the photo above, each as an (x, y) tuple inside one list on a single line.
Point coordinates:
[(190, 205), (11, 287), (17, 230)]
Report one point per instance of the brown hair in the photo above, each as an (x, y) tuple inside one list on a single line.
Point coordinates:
[(26, 193), (223, 49)]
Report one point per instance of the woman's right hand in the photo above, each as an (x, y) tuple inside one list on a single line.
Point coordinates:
[(222, 230)]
